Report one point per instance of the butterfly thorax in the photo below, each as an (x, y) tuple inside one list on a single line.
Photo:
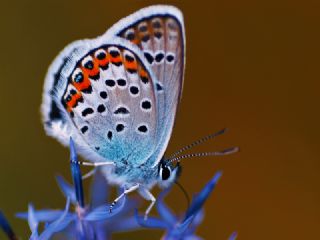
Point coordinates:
[(124, 173)]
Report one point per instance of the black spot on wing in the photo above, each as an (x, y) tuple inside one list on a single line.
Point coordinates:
[(84, 129), (159, 57), (146, 104), (129, 58), (170, 58), (134, 90), (73, 92), (88, 65), (114, 53), (145, 80), (145, 38), (121, 110), (159, 87), (156, 24), (109, 135), (117, 63), (95, 77), (121, 82), (87, 111), (149, 57), (104, 67), (103, 94), (130, 36), (143, 28), (79, 77), (101, 55), (110, 83), (101, 108), (158, 35), (143, 128), (87, 90), (131, 70), (120, 127)]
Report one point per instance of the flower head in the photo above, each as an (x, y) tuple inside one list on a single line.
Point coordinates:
[(176, 227), (87, 221), (4, 224)]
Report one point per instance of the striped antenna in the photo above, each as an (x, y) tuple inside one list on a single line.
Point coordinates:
[(198, 142), (205, 154)]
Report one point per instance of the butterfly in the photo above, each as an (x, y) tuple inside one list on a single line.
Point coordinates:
[(117, 96)]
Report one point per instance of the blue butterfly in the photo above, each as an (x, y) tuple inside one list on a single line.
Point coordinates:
[(117, 95)]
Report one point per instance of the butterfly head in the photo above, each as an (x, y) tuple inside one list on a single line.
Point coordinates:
[(168, 172)]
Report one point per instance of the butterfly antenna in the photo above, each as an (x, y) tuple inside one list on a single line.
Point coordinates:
[(205, 154), (184, 192), (198, 142)]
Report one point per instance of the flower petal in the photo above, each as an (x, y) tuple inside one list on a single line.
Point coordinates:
[(59, 224), (103, 212), (43, 215), (66, 188), (76, 174), (200, 199), (165, 213), (99, 190), (125, 225), (150, 222), (4, 224), (184, 226), (196, 222), (33, 222), (233, 236)]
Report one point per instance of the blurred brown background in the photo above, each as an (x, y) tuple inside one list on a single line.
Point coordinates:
[(252, 66)]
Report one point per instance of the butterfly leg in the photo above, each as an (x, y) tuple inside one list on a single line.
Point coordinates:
[(95, 164), (129, 190), (89, 174), (146, 194)]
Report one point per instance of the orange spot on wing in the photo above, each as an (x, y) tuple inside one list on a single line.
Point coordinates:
[(94, 71), (117, 59), (74, 100), (143, 73), (131, 65), (104, 61), (85, 83)]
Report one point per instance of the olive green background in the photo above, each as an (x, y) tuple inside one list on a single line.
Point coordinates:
[(252, 66)]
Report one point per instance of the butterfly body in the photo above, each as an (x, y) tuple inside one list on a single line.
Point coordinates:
[(126, 173), (117, 95)]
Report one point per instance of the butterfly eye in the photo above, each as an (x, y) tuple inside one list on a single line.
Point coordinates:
[(165, 173)]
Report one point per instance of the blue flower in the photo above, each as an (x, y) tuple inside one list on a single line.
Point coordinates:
[(233, 236), (93, 221), (185, 227), (4, 224)]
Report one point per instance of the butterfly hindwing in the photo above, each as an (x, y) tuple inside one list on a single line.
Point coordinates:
[(107, 100), (159, 32), (116, 112)]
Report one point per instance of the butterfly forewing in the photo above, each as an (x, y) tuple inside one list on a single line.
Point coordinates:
[(111, 101), (160, 35), (117, 95)]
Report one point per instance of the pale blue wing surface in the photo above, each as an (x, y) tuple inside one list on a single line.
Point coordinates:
[(159, 32), (107, 98)]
